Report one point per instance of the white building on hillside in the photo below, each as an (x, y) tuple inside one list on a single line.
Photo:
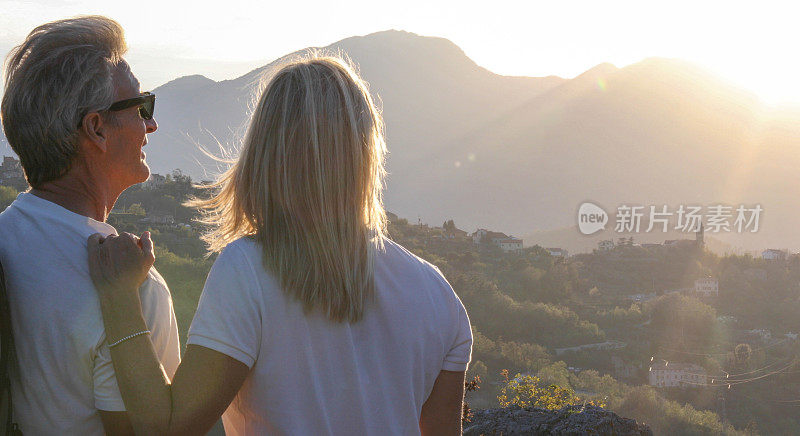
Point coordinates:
[(10, 169), (505, 242), (763, 334), (11, 174), (606, 245), (641, 298), (159, 219), (707, 287), (773, 254), (510, 244), (558, 252), (675, 374)]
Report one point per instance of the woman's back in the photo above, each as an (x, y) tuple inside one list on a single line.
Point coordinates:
[(309, 323), (310, 375)]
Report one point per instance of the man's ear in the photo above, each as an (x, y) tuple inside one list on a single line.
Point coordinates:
[(95, 130)]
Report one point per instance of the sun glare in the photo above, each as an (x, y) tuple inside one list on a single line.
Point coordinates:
[(774, 85), (750, 45)]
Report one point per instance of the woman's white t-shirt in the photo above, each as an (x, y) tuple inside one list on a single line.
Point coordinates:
[(311, 376)]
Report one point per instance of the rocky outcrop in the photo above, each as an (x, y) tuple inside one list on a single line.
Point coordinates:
[(571, 420)]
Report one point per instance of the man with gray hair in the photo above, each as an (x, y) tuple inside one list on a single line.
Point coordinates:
[(74, 114)]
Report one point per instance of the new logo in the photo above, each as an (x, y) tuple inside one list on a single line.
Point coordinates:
[(591, 218)]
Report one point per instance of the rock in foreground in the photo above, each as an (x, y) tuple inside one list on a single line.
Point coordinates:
[(570, 420)]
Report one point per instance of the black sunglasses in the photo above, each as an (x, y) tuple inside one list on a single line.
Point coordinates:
[(146, 103)]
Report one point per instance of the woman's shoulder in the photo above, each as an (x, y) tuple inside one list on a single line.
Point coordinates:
[(246, 246), (240, 266), (394, 252), (398, 257), (241, 255)]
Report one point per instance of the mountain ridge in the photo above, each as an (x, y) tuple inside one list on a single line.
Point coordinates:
[(516, 153)]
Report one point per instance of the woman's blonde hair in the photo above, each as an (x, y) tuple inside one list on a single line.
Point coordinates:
[(307, 186)]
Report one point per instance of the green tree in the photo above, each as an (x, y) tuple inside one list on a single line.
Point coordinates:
[(525, 391), (683, 322), (477, 369), (136, 209), (7, 195), (555, 374)]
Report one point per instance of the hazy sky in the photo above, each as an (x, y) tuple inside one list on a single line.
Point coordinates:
[(752, 44)]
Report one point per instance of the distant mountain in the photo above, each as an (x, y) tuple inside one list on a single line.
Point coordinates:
[(431, 92), (519, 154)]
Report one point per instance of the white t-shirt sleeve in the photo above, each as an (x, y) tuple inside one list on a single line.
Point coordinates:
[(106, 391), (159, 314), (228, 317), (460, 348), (458, 357), (160, 318)]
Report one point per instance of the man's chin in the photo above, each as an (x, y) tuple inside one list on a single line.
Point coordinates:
[(145, 172)]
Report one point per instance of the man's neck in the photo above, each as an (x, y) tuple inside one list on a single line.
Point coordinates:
[(79, 196)]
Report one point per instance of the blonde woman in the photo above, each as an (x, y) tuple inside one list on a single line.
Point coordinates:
[(311, 321)]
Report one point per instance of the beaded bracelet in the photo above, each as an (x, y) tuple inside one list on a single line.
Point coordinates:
[(144, 332)]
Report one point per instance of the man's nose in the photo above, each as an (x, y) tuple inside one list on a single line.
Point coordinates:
[(152, 125)]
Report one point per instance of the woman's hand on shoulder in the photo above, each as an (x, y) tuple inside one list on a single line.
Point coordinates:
[(119, 263)]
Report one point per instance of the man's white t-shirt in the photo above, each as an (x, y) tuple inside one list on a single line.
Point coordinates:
[(311, 376), (64, 370)]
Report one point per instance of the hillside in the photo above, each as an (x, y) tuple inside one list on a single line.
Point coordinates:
[(527, 308)]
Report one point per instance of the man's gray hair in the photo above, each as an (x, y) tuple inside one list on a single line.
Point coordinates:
[(62, 71)]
